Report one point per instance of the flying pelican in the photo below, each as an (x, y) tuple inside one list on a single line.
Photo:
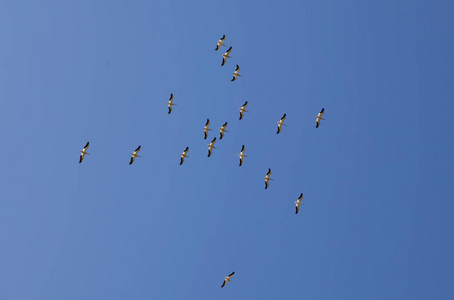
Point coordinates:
[(206, 128), (243, 110), (226, 279), (183, 155), (211, 146), (83, 152), (134, 155), (226, 55), (222, 130), (298, 203), (319, 117), (280, 124), (267, 177), (220, 43), (241, 155), (170, 104), (235, 74)]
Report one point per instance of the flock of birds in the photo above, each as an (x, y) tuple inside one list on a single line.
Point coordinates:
[(222, 130)]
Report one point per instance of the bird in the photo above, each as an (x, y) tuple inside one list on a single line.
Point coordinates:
[(319, 117), (211, 146), (298, 203), (241, 155), (225, 56), (222, 130), (134, 155), (206, 128), (183, 155), (226, 279), (243, 110), (220, 43), (83, 152), (170, 104), (235, 74), (280, 124), (267, 177)]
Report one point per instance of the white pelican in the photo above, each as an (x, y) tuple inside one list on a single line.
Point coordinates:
[(226, 55), (220, 43), (241, 155), (211, 146), (134, 155), (170, 104), (206, 128), (319, 117), (222, 130), (235, 74), (226, 279), (267, 177), (281, 123), (183, 155), (298, 203), (83, 152), (243, 110)]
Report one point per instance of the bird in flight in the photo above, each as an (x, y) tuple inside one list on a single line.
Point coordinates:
[(241, 155), (211, 146), (183, 155), (225, 56), (280, 123), (243, 110), (83, 152), (220, 43), (222, 130), (235, 74), (170, 104), (298, 203), (206, 128), (134, 155), (319, 117), (226, 279), (267, 177)]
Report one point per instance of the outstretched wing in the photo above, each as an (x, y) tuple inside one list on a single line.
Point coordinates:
[(86, 146), (138, 149), (269, 172), (222, 135), (241, 114), (206, 135), (170, 109), (223, 284), (278, 129), (297, 208), (234, 78), (231, 274), (266, 184), (223, 61), (241, 161), (81, 158), (132, 160)]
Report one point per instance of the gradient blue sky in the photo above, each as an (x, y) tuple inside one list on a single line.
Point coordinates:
[(376, 176)]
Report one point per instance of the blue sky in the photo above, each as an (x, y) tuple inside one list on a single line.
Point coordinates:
[(375, 175)]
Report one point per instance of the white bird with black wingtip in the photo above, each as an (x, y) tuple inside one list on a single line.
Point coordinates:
[(280, 123), (183, 155), (206, 128), (243, 110), (170, 103), (211, 146), (225, 56), (227, 279), (83, 152), (267, 178), (241, 155), (319, 117), (222, 130), (236, 74), (220, 43), (134, 155), (298, 203)]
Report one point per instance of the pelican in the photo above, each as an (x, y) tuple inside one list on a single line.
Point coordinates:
[(134, 155), (226, 279), (206, 128), (211, 146), (170, 104), (183, 155), (241, 155), (298, 203), (280, 124), (267, 177), (319, 117), (83, 152), (235, 74), (225, 56), (243, 110), (222, 130), (220, 43)]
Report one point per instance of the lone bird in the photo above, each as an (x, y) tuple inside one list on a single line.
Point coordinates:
[(134, 155), (226, 279), (243, 110), (241, 155), (222, 130), (206, 128), (225, 56), (170, 104), (211, 146), (220, 43), (83, 152), (298, 203), (319, 117), (235, 74), (267, 177), (280, 123), (183, 155)]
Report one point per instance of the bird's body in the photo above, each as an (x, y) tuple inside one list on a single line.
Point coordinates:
[(280, 123), (134, 155), (211, 146), (267, 177), (236, 73), (83, 152), (243, 110), (227, 279), (319, 117), (170, 103), (298, 203), (206, 128), (225, 56), (220, 43), (222, 130), (183, 155), (241, 155)]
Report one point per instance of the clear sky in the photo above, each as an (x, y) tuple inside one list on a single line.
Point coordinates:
[(376, 175)]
